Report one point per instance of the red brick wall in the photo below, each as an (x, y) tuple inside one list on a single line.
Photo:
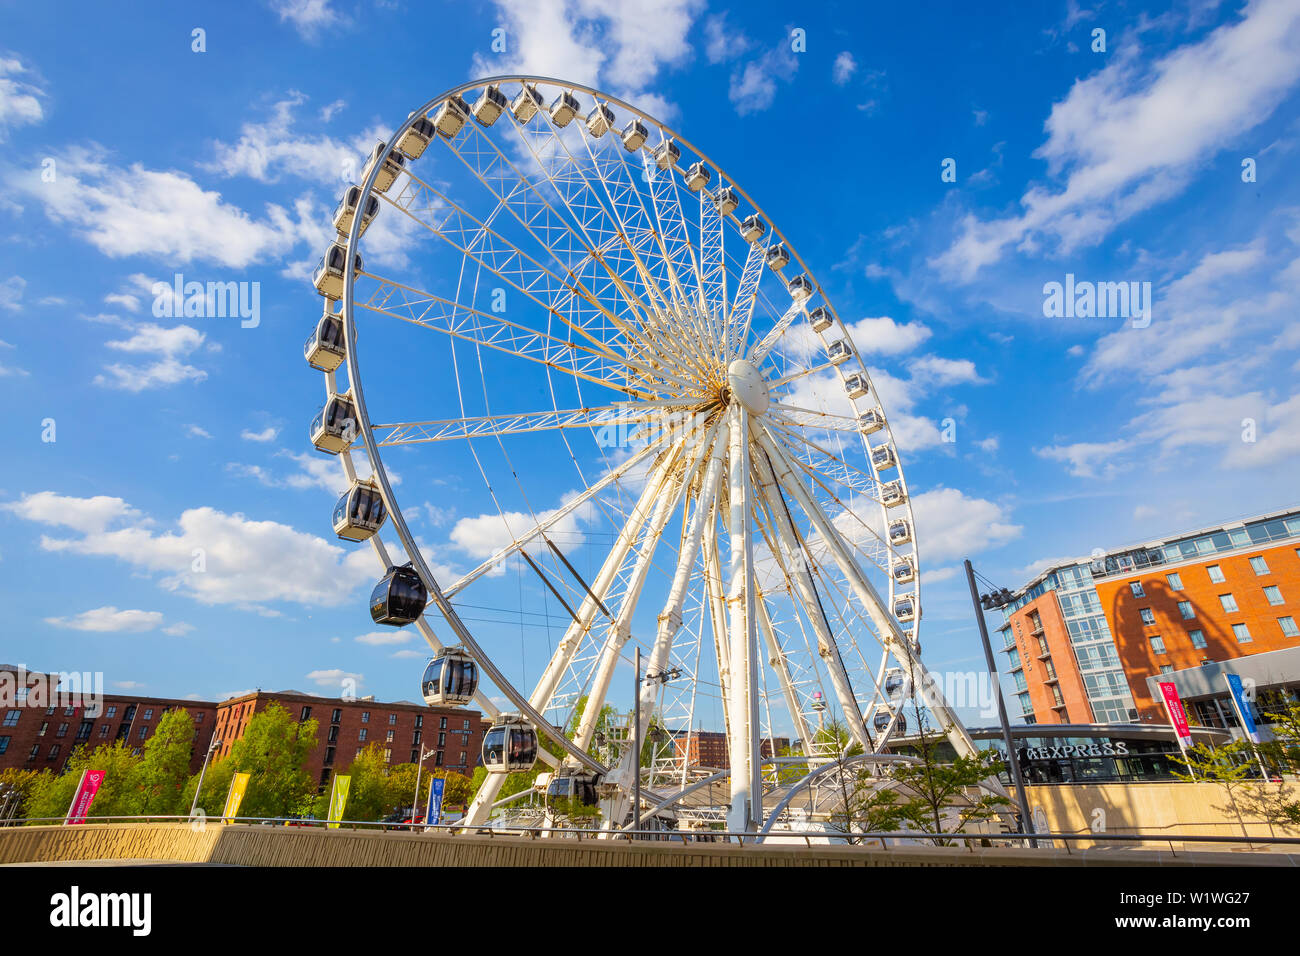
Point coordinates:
[(1037, 676)]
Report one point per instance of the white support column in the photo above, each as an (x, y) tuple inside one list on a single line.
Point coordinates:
[(481, 807), (797, 568), (742, 701), (777, 659)]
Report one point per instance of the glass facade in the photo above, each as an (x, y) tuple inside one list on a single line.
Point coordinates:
[(1090, 637)]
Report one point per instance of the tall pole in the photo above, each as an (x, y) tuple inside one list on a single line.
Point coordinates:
[(419, 769), (636, 747), (198, 787), (1026, 822)]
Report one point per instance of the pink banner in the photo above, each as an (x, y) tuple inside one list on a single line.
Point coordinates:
[(1177, 716), (85, 796)]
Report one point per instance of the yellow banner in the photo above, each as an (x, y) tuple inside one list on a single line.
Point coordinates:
[(338, 799), (238, 786)]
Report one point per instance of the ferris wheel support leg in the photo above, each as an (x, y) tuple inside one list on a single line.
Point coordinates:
[(827, 649), (670, 620), (886, 627), (620, 630), (746, 810), (777, 659)]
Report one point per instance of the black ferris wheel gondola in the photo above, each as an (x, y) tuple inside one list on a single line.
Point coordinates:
[(399, 597)]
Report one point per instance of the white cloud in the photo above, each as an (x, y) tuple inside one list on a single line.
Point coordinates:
[(267, 434), (1132, 134), (109, 619), (623, 45), (179, 629), (951, 525), (20, 100), (944, 371), (753, 85), (1088, 459), (482, 536), (195, 431), (309, 17), (165, 214), (273, 148), (171, 344), (209, 555), (334, 677), (11, 293), (843, 68), (380, 638)]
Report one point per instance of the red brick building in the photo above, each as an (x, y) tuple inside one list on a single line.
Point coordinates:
[(451, 736), (41, 727), (1045, 666), (708, 748)]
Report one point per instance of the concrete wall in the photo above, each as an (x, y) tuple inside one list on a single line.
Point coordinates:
[(301, 846), (1170, 809)]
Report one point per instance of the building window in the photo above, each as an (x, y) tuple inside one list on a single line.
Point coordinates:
[(103, 730), (1147, 616), (1242, 633), (329, 756), (1136, 588), (365, 716), (1274, 595), (437, 759), (306, 712), (442, 740), (1166, 668), (54, 751), (4, 744), (62, 731), (415, 756), (1289, 628), (462, 758), (143, 731), (1026, 706), (148, 713), (1186, 610), (466, 725), (112, 711), (1229, 603), (415, 737), (419, 720), (388, 755), (336, 716), (333, 735), (1157, 643), (1175, 581), (389, 737), (11, 717), (392, 719), (198, 717), (363, 734), (1259, 565), (36, 752), (1216, 573), (45, 725), (442, 723), (1198, 638)]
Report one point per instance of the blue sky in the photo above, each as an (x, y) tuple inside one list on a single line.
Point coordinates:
[(1070, 433)]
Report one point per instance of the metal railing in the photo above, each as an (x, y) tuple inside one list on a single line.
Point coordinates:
[(911, 839)]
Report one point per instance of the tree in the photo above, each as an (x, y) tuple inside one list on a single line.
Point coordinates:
[(15, 790), (273, 750), (1229, 767), (159, 778), (51, 794), (938, 796), (369, 792)]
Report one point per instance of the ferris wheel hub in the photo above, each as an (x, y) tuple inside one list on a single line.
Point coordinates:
[(748, 386)]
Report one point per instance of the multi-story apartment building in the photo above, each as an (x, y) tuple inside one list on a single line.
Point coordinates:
[(1090, 640)]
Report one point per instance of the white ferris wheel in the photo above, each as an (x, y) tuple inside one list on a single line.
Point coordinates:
[(666, 424)]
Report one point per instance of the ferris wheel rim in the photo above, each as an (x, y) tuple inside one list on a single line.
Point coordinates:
[(367, 428)]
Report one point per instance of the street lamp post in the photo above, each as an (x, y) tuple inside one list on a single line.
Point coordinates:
[(198, 787), (1026, 822), (419, 768)]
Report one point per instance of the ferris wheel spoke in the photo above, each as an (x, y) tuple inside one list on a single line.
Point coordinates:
[(741, 313), (492, 426), (600, 366), (713, 270), (798, 417), (760, 350)]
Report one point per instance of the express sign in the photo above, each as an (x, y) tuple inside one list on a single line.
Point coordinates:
[(1116, 748)]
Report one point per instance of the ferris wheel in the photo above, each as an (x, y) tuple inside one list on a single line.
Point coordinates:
[(666, 428)]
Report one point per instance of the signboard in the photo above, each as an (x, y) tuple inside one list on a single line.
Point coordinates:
[(1177, 716), (84, 797), (238, 787), (436, 787), (338, 799), (1238, 691)]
